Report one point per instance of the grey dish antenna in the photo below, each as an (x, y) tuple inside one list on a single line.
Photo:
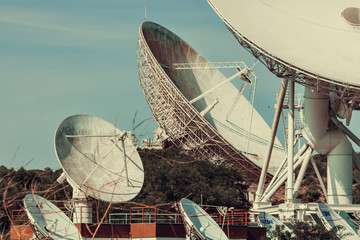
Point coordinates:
[(48, 221), (197, 106), (198, 224), (98, 158)]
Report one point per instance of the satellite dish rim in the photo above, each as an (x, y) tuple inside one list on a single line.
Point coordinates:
[(57, 211), (190, 105), (203, 214), (240, 159), (73, 183), (304, 75), (330, 223)]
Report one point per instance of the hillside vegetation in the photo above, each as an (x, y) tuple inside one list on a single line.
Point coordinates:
[(311, 190), (169, 176)]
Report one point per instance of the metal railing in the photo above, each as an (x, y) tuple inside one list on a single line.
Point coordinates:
[(139, 215)]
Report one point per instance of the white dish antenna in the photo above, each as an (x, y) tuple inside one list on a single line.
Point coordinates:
[(198, 223), (270, 222), (330, 219), (48, 221), (348, 219), (98, 158), (316, 42), (197, 106)]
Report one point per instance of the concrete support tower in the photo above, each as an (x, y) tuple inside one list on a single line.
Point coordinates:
[(333, 143)]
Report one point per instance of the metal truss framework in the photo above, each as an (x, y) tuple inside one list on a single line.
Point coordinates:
[(180, 120), (38, 233), (241, 65), (192, 233), (283, 69)]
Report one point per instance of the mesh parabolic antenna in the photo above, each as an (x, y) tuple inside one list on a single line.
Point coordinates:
[(198, 223), (47, 220), (316, 42), (169, 92), (98, 158)]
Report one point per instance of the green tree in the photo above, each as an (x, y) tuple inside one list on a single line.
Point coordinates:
[(171, 175), (306, 231), (14, 185)]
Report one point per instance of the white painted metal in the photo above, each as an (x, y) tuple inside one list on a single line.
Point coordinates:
[(339, 169), (48, 220), (276, 175), (356, 159), (217, 86), (270, 222), (199, 65), (198, 224), (331, 219), (291, 134), (348, 219), (298, 159), (320, 44), (300, 177), (347, 131), (81, 207), (316, 117), (333, 143), (231, 109), (327, 65), (168, 92), (270, 145), (319, 177), (94, 160), (246, 78), (208, 108)]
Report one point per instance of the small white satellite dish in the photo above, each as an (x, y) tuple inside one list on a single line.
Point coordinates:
[(98, 158), (348, 219), (198, 222), (48, 221), (270, 222), (331, 219)]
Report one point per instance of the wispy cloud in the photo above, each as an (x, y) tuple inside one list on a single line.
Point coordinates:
[(59, 22)]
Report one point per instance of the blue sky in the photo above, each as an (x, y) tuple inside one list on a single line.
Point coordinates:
[(60, 58)]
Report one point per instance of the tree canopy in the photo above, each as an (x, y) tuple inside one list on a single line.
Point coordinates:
[(305, 231), (171, 175)]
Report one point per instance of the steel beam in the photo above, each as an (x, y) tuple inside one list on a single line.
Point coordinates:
[(272, 139)]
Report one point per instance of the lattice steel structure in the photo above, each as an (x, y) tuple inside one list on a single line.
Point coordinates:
[(186, 128), (38, 233), (205, 65)]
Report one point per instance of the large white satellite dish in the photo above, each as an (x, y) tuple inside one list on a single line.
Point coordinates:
[(195, 121), (48, 221), (315, 44), (98, 158), (198, 223), (319, 40)]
